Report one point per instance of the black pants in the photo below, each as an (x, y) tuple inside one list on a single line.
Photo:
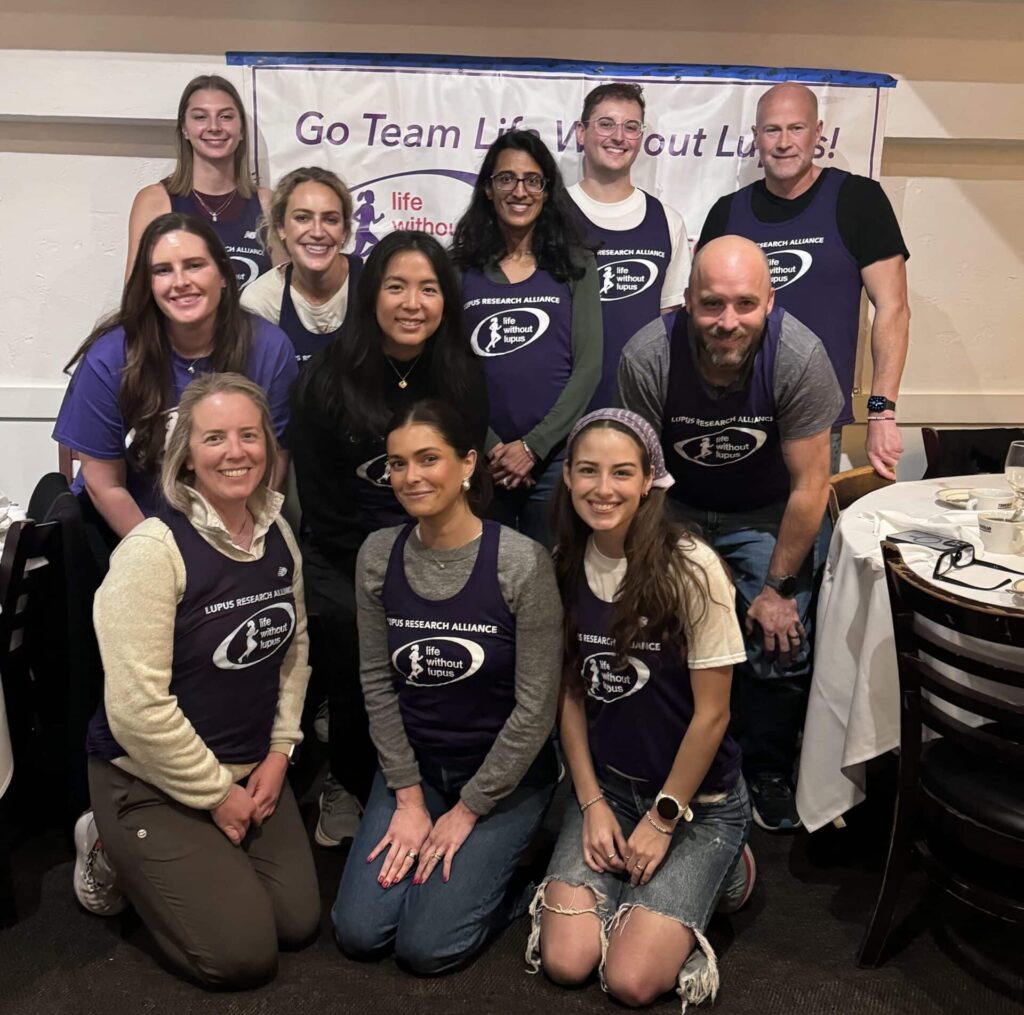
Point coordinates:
[(334, 658)]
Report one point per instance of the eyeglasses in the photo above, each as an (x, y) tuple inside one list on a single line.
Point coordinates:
[(606, 126), (507, 182), (963, 556)]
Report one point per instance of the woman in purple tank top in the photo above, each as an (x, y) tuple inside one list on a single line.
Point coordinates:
[(202, 630), (211, 177), (662, 817)]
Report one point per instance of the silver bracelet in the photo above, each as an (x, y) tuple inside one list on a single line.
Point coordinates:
[(526, 448), (583, 807), (660, 828), (881, 419)]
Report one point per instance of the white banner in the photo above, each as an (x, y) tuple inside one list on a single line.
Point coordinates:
[(408, 133)]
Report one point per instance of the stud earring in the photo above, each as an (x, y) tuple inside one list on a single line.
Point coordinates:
[(465, 484)]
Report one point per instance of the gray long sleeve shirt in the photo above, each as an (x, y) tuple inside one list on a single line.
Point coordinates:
[(526, 579)]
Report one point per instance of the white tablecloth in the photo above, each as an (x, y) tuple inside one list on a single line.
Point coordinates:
[(853, 709), (13, 513)]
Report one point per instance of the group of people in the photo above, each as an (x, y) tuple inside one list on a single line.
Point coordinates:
[(451, 418)]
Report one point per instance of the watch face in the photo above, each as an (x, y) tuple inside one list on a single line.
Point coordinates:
[(879, 403), (668, 808), (787, 585)]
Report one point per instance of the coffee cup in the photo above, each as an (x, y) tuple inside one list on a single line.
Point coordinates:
[(989, 498), (999, 533)]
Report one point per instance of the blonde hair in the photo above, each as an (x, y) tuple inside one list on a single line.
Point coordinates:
[(180, 181), (175, 475), (287, 184)]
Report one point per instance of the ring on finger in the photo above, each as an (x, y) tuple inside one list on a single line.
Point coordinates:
[(412, 854), (611, 856), (438, 854)]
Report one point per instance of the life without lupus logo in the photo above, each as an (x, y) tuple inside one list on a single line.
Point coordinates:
[(786, 266), (624, 278), (606, 683), (722, 448), (432, 662), (376, 471), (257, 638), (508, 331)]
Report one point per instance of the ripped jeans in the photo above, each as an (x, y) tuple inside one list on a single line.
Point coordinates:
[(685, 887)]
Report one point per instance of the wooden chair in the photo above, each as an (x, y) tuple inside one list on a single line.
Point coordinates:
[(846, 487), (960, 801), (28, 584), (66, 458)]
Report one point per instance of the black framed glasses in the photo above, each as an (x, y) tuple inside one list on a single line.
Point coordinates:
[(606, 127), (507, 182), (962, 556)]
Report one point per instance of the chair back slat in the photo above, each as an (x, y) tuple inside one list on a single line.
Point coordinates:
[(973, 738), (941, 652), (968, 698)]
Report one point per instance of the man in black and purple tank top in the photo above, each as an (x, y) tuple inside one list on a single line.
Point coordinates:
[(827, 233), (744, 396), (643, 255)]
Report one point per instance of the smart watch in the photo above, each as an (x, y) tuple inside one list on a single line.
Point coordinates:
[(879, 403), (669, 808), (784, 584)]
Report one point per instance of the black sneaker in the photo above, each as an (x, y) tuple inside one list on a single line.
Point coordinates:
[(774, 804)]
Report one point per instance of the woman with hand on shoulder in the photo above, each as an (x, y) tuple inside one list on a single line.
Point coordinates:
[(403, 340), (459, 637), (311, 215), (179, 317), (531, 303), (202, 631), (651, 638), (210, 179)]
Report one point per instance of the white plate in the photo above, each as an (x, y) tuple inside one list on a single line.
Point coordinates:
[(955, 497)]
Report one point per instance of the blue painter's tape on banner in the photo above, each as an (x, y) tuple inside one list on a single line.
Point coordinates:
[(808, 75)]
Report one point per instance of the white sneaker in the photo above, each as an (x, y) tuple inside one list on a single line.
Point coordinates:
[(339, 814), (95, 877)]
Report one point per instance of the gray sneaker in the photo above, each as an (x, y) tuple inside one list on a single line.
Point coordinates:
[(95, 877), (339, 814), (739, 884)]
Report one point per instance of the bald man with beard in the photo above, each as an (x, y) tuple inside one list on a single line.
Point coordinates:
[(744, 396), (829, 234)]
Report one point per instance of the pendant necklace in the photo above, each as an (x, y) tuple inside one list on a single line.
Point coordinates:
[(402, 382), (210, 211)]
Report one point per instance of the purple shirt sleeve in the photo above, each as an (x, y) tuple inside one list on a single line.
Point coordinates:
[(272, 366), (90, 418)]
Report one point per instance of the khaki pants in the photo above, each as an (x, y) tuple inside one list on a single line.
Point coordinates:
[(217, 911)]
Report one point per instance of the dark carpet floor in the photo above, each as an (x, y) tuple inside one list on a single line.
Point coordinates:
[(791, 950)]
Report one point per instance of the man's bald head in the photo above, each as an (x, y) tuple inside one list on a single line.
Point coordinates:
[(728, 301), (786, 134)]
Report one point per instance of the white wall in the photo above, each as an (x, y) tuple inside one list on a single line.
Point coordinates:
[(87, 98)]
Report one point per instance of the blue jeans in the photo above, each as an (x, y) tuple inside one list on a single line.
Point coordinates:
[(528, 509), (769, 696), (436, 927)]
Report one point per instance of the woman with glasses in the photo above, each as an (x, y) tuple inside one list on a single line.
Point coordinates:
[(531, 305)]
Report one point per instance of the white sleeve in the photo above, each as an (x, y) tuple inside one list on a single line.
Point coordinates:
[(263, 297), (677, 275)]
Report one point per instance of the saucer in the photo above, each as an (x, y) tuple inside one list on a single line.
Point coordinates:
[(954, 497)]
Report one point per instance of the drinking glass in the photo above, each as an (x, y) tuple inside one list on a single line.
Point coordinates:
[(1015, 474)]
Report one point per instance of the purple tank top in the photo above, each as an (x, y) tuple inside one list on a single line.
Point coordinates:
[(237, 228), (376, 501), (631, 266), (308, 342), (453, 660), (725, 453), (232, 629), (637, 716), (523, 332), (815, 277)]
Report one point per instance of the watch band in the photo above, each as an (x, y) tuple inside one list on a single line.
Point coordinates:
[(676, 810), (784, 584)]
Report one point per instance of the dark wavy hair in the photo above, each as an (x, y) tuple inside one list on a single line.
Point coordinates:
[(458, 433), (146, 381), (346, 383), (557, 241), (624, 91), (664, 593)]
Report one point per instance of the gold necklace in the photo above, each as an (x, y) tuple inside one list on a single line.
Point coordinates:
[(402, 383), (209, 211)]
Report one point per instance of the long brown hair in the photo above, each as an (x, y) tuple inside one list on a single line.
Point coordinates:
[(180, 181), (664, 594), (146, 381)]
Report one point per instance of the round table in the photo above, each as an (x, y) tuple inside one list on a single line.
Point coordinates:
[(853, 712)]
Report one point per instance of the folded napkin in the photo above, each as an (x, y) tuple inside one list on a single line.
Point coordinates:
[(5, 514), (955, 525)]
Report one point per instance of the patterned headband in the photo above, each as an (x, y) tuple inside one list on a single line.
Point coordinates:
[(644, 433)]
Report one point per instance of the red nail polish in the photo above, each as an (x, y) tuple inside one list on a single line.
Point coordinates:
[(416, 881), (445, 880), (387, 884)]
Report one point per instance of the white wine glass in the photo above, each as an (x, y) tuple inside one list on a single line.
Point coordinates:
[(1015, 475)]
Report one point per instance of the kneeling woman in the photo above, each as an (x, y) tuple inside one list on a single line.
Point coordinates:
[(460, 641), (202, 630), (651, 638)]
